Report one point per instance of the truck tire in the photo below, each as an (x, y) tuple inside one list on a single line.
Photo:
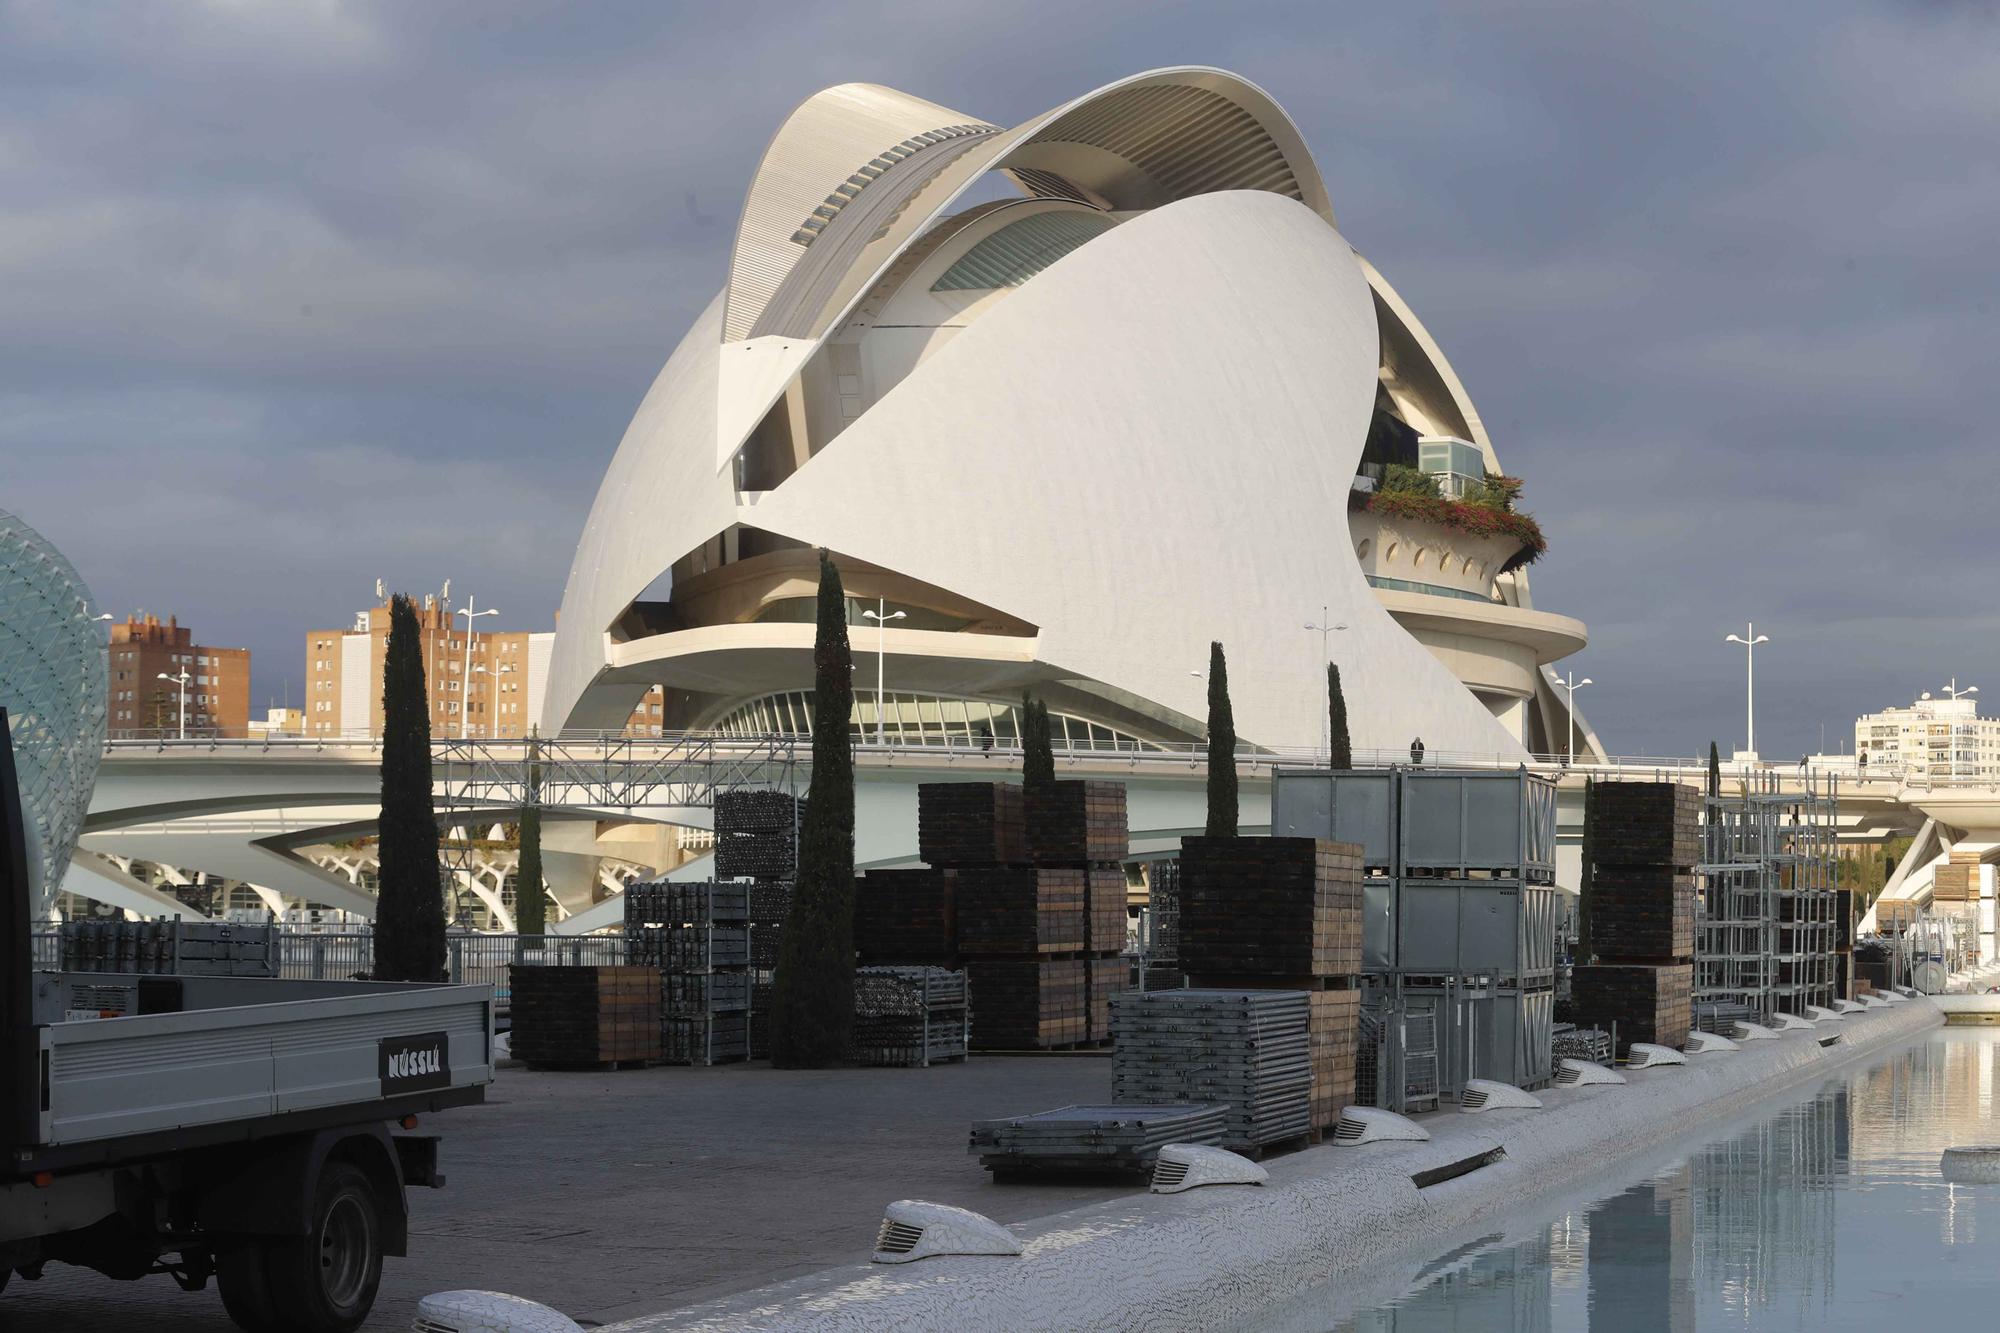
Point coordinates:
[(325, 1280), (246, 1294)]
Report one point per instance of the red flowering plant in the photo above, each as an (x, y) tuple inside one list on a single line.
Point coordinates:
[(1486, 511)]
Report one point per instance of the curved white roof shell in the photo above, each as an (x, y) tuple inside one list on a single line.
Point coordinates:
[(1140, 437)]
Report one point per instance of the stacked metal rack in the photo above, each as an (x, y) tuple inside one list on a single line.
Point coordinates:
[(697, 933), (1092, 1138), (770, 901), (1458, 918), (1157, 963), (1766, 928), (1247, 1049), (910, 1016), (171, 948), (757, 839)]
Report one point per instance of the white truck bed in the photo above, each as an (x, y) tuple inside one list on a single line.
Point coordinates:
[(112, 1078)]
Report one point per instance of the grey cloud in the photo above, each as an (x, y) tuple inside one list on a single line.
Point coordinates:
[(299, 295)]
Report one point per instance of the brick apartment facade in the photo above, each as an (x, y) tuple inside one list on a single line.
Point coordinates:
[(218, 687)]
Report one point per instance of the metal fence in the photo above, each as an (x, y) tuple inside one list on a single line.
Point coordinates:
[(346, 955)]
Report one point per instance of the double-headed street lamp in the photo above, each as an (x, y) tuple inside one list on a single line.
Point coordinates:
[(1952, 727), (1571, 685), (881, 615), (183, 678), (465, 690), (1750, 638), (1326, 629)]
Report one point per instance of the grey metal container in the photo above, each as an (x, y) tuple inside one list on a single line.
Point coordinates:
[(1435, 820), (1378, 925), (1357, 807), (1475, 927), (1513, 1032), (1458, 820)]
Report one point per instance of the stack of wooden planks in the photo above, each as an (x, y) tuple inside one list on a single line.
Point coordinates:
[(1282, 914), (586, 1016)]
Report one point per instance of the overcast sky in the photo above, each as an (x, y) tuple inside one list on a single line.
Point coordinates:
[(298, 295)]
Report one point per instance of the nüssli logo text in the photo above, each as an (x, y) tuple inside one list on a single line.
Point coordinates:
[(410, 1064)]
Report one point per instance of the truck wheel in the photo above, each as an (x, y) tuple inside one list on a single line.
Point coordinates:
[(246, 1295), (325, 1280)]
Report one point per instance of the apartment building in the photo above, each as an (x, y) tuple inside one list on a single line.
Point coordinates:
[(481, 683), (217, 684), (1939, 738)]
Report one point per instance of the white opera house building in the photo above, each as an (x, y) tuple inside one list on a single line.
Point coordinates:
[(1074, 398)]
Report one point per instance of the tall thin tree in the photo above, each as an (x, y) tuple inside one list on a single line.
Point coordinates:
[(1342, 755), (813, 1001), (1222, 811), (1587, 881), (409, 908), (1714, 770), (531, 904), (1038, 755)]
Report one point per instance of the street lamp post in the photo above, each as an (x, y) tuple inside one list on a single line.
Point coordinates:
[(1956, 694), (1571, 684), (1326, 630), (465, 689), (1750, 638), (183, 678), (881, 653)]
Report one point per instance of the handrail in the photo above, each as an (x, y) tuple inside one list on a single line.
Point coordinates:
[(1003, 750)]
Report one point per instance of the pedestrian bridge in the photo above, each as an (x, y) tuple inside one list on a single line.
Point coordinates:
[(248, 810)]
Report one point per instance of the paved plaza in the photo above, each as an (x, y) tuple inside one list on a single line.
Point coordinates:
[(614, 1195)]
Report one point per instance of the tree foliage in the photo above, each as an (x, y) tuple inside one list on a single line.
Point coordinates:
[(409, 910), (1587, 881), (531, 903), (1342, 755), (1402, 479), (813, 1001), (1221, 748), (1038, 751), (1714, 770)]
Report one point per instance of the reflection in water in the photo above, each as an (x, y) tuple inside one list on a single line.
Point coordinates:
[(1828, 1214)]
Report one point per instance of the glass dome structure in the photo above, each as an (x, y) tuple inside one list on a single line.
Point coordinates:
[(52, 666)]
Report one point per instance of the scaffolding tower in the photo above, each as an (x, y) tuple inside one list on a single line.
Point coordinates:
[(1765, 910)]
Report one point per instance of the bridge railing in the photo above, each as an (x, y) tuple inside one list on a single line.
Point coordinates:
[(469, 958), (613, 761)]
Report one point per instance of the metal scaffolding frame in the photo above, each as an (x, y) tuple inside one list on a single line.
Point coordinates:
[(610, 772), (480, 781), (1765, 903)]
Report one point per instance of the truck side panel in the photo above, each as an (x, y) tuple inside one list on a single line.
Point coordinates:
[(115, 1077)]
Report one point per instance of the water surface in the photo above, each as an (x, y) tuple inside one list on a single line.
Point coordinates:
[(1827, 1214)]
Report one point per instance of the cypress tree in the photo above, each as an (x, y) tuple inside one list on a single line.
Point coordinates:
[(409, 909), (1586, 882), (1714, 770), (1038, 754), (813, 1000), (1221, 748), (531, 905), (1342, 755)]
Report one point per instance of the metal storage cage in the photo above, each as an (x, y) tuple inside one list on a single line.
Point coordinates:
[(1765, 900), (1458, 917)]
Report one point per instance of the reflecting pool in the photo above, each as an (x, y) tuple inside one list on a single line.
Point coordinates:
[(1827, 1213)]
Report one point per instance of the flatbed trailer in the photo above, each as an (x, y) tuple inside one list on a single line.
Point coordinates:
[(259, 1132)]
